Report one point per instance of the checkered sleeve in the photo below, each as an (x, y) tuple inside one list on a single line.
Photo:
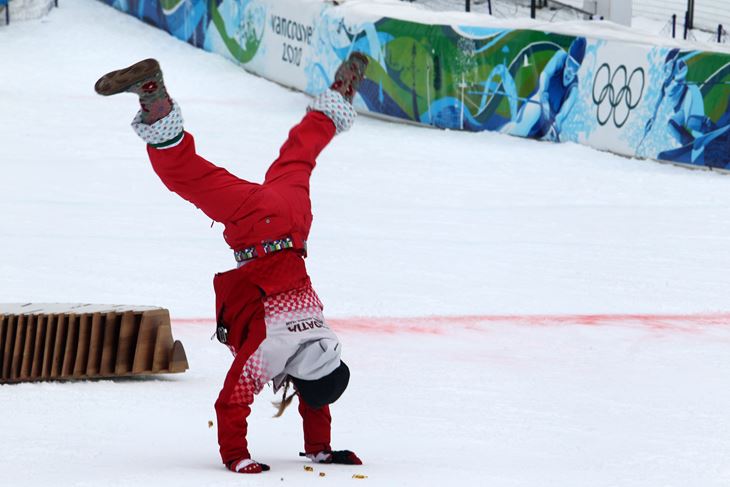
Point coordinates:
[(164, 133), (334, 105)]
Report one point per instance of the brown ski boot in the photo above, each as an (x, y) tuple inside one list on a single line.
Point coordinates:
[(145, 80), (349, 75)]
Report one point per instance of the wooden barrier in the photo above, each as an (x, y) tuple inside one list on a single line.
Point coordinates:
[(84, 341)]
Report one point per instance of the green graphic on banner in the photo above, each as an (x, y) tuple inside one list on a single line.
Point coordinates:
[(245, 48)]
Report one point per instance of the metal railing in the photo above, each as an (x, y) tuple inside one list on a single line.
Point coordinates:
[(681, 24), (719, 34), (497, 7)]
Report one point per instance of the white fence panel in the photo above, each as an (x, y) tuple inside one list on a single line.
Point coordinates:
[(708, 13)]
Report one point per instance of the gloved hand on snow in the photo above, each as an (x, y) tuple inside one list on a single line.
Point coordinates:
[(343, 457), (246, 465)]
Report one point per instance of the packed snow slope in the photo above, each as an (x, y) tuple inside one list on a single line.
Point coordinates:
[(506, 240)]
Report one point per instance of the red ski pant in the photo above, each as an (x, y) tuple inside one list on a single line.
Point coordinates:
[(220, 195), (234, 405), (282, 201)]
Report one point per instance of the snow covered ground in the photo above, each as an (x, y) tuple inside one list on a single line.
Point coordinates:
[(457, 267)]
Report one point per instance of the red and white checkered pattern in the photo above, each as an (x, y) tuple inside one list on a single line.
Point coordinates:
[(253, 378), (290, 306), (280, 309)]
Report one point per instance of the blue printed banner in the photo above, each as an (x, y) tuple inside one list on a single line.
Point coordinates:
[(632, 99)]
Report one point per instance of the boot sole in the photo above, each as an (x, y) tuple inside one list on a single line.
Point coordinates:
[(118, 81)]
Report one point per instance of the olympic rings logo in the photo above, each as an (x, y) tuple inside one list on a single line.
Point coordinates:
[(617, 95)]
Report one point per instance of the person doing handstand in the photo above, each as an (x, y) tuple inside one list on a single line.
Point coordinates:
[(267, 312)]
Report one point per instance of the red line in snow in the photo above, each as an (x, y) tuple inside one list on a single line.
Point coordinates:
[(436, 325)]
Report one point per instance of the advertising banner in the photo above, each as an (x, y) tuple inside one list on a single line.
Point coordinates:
[(630, 98)]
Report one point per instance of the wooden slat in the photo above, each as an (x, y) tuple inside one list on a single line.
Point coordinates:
[(40, 340), (145, 349), (95, 344), (178, 359), (59, 346), (3, 321), (28, 347), (128, 332), (82, 353), (8, 346), (163, 344), (49, 345), (72, 334), (109, 349), (56, 341), (18, 347)]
